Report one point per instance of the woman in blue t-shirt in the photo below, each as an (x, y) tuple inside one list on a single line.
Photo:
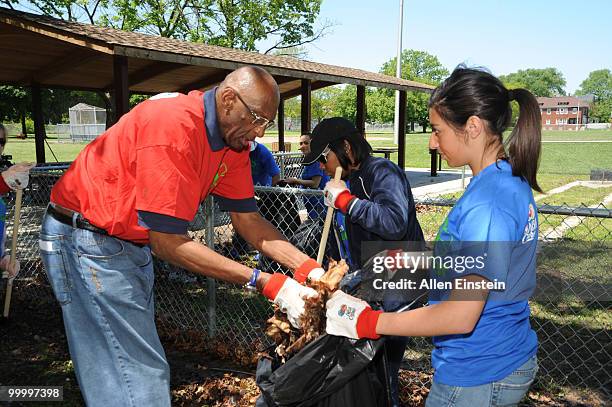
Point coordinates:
[(483, 264), (313, 177)]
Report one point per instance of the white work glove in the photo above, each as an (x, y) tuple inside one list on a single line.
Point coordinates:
[(8, 271), (351, 317), (289, 295), (309, 270), (337, 195), (18, 176)]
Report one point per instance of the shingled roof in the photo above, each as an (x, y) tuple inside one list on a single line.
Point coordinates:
[(561, 101), (62, 53)]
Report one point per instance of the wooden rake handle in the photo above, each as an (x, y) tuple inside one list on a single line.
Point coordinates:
[(9, 284), (328, 220)]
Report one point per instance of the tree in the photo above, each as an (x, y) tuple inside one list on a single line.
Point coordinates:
[(546, 82), (241, 24), (598, 83), (602, 110), (417, 66)]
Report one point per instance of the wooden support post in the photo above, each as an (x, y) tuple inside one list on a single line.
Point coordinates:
[(360, 115), (39, 123), (281, 125), (401, 139), (433, 166), (121, 91), (306, 111)]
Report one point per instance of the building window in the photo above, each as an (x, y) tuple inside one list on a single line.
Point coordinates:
[(561, 121), (575, 110), (548, 111), (563, 110), (548, 121)]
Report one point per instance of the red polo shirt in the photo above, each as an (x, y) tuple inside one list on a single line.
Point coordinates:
[(158, 158)]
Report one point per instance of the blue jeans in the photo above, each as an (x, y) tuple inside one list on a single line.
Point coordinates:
[(105, 288), (508, 391), (395, 347)]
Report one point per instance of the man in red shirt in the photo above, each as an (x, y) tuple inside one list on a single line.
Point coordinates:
[(133, 191)]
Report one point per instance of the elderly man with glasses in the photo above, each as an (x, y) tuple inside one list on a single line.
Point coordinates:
[(132, 192)]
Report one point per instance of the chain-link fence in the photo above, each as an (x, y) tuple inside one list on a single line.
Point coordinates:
[(570, 311)]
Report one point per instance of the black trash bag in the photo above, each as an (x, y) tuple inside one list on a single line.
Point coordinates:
[(331, 371)]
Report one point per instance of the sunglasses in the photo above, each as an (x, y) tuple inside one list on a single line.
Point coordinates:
[(323, 156), (258, 120)]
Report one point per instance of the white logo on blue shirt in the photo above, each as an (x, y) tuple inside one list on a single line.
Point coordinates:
[(532, 226)]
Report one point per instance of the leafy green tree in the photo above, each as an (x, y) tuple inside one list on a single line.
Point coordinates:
[(546, 82), (345, 103), (417, 66), (602, 110), (15, 102), (380, 106), (242, 24), (598, 83)]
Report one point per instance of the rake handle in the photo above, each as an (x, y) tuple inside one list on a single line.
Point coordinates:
[(328, 220), (9, 284)]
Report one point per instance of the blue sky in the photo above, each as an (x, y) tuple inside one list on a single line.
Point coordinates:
[(503, 35)]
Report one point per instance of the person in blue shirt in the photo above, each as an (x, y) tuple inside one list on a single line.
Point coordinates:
[(376, 201), (313, 177), (484, 347), (264, 170)]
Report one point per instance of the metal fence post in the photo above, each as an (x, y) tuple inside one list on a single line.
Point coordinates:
[(282, 166), (211, 284)]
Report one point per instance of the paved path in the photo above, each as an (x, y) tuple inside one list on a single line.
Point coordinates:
[(571, 222)]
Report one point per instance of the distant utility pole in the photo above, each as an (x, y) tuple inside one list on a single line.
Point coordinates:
[(398, 72)]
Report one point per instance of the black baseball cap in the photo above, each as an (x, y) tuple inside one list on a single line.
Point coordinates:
[(329, 130)]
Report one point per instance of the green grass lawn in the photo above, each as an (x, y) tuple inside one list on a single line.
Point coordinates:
[(570, 161)]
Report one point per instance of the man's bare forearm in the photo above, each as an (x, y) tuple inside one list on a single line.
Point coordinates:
[(267, 239), (180, 250)]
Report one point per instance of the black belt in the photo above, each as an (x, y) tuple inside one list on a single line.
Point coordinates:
[(72, 218), (75, 219)]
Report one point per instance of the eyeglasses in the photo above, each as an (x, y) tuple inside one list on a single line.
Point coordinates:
[(323, 156), (258, 120), (2, 141)]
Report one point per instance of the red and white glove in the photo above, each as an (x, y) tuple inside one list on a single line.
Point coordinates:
[(309, 270), (289, 295), (337, 195), (9, 271), (17, 176), (351, 317)]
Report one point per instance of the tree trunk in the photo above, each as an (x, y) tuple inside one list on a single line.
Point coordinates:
[(412, 126), (24, 129)]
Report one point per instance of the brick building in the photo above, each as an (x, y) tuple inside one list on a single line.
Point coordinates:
[(564, 112)]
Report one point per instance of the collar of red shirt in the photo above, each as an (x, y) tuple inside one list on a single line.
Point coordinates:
[(213, 132)]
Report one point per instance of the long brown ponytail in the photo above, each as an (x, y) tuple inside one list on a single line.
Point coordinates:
[(525, 141)]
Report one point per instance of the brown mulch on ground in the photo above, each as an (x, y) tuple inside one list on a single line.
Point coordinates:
[(33, 351)]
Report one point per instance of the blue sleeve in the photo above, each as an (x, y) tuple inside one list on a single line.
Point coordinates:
[(271, 165), (312, 170), (236, 205), (386, 212), (162, 223)]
